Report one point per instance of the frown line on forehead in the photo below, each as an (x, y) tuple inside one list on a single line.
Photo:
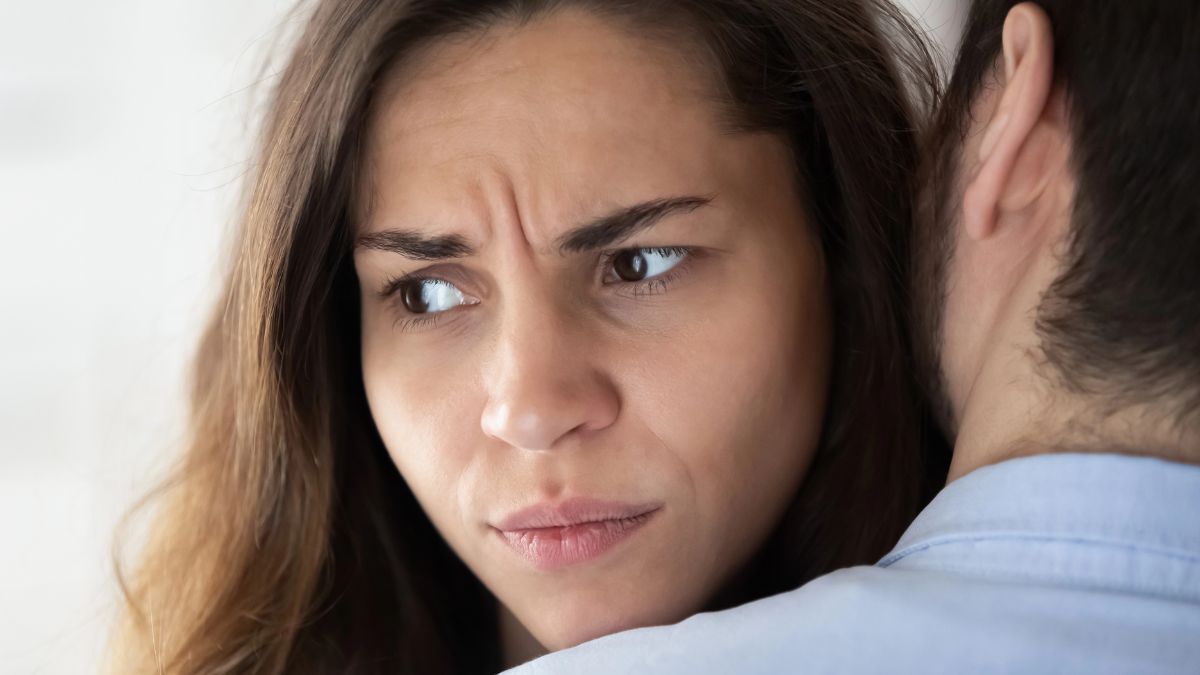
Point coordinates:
[(601, 232)]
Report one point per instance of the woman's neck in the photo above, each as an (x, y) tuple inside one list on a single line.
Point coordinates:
[(517, 645)]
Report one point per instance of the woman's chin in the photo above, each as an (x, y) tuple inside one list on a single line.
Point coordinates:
[(569, 624), (564, 636)]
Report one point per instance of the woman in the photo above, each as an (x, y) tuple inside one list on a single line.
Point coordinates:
[(546, 320)]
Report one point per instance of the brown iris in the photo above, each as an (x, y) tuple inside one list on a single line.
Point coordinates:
[(630, 265), (414, 298)]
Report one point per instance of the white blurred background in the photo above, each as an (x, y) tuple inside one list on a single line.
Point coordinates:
[(125, 128)]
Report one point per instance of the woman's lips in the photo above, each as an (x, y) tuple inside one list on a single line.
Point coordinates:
[(573, 532)]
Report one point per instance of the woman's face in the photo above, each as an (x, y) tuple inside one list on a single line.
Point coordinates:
[(595, 329)]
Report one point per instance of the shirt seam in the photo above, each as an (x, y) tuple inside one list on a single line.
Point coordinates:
[(1085, 583), (943, 540)]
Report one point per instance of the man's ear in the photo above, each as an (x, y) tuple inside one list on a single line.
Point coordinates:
[(1028, 50)]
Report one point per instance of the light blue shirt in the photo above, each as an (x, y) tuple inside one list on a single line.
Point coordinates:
[(1068, 563)]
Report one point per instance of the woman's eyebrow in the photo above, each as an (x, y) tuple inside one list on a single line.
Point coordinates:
[(601, 232), (417, 246), (626, 222)]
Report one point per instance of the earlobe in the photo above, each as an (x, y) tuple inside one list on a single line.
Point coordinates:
[(1028, 50)]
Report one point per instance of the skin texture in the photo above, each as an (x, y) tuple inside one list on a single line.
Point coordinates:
[(704, 392), (1016, 201)]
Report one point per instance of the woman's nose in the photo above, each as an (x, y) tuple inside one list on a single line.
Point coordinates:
[(544, 386)]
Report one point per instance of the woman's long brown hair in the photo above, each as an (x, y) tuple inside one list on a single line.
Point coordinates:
[(287, 542)]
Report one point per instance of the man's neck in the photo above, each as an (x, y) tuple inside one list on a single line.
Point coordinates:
[(1017, 409), (1014, 403)]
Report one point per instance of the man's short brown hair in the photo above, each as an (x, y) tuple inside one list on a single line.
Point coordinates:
[(1122, 320)]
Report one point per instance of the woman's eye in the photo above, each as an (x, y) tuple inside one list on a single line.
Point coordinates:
[(639, 264), (430, 296), (647, 270)]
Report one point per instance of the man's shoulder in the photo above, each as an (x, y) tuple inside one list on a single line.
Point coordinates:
[(868, 619), (763, 636)]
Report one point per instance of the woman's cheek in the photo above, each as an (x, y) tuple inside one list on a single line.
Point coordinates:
[(408, 417)]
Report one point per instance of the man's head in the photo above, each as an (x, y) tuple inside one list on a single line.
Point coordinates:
[(1059, 267)]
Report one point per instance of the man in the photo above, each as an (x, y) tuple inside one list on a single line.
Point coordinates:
[(1060, 275)]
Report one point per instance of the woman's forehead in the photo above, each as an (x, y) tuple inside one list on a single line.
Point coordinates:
[(570, 112), (570, 54)]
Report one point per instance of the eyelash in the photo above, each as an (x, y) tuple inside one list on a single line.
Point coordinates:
[(415, 321), (654, 285), (638, 289)]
